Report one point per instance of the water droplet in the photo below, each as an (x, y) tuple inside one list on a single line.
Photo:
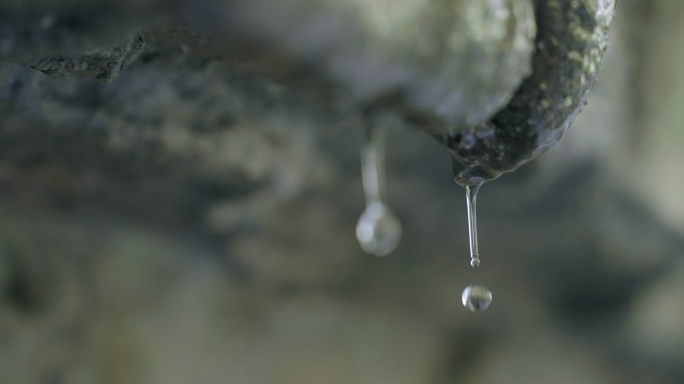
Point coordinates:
[(476, 298), (378, 230), (471, 195)]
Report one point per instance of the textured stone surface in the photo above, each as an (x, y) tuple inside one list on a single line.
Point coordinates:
[(454, 63), (38, 28), (104, 65), (572, 37)]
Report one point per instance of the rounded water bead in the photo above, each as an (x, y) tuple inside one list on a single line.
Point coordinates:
[(378, 231), (476, 298), (475, 262)]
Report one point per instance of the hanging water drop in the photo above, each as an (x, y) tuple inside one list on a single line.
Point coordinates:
[(378, 230), (476, 298), (471, 195)]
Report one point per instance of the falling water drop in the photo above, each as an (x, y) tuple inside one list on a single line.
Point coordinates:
[(476, 298), (471, 194), (378, 230)]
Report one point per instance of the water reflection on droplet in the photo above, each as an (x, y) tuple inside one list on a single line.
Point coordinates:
[(378, 231), (476, 297)]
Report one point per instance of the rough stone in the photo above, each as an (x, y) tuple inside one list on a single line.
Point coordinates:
[(30, 30), (104, 65), (571, 39), (453, 63)]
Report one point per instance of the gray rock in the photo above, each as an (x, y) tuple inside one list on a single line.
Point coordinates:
[(454, 63), (571, 39), (44, 28), (104, 65)]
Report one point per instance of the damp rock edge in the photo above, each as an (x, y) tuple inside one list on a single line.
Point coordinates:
[(571, 39)]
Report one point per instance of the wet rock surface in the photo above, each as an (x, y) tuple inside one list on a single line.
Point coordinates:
[(193, 220), (33, 29), (572, 37), (104, 65), (453, 63)]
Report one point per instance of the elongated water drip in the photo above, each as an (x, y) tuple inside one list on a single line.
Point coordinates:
[(475, 297), (373, 167), (471, 195), (378, 231)]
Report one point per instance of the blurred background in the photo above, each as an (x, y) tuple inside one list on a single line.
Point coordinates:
[(191, 222)]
